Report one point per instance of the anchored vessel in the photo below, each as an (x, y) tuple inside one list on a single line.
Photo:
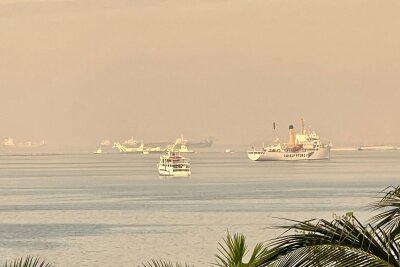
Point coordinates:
[(379, 147), (173, 164), (9, 143), (192, 144), (140, 149), (304, 146)]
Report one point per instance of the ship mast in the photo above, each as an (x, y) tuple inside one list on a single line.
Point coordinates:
[(274, 132), (303, 131)]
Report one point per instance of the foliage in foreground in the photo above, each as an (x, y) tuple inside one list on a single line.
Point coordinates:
[(234, 249), (344, 241), (28, 262), (160, 263)]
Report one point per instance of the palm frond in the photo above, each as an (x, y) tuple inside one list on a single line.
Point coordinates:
[(328, 242), (389, 218), (160, 263), (234, 249), (327, 255), (28, 261)]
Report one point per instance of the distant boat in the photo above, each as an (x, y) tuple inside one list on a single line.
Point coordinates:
[(182, 148), (105, 142), (304, 146), (344, 149), (201, 144), (377, 147), (130, 142), (172, 163), (193, 144), (10, 144), (140, 149), (99, 151)]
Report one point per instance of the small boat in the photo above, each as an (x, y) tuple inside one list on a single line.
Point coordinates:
[(173, 164), (182, 145), (99, 151), (184, 149)]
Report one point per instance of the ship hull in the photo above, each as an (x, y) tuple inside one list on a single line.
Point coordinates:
[(320, 154), (168, 171)]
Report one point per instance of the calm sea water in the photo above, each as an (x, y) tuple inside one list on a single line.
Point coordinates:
[(114, 209)]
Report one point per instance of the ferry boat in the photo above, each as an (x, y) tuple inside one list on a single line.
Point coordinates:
[(304, 146), (173, 164)]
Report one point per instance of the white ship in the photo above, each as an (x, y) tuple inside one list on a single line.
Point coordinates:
[(378, 147), (173, 164), (10, 144), (140, 149), (304, 146), (182, 146)]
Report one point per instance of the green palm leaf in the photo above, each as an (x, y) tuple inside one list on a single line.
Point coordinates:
[(342, 242), (389, 218), (328, 255), (234, 249)]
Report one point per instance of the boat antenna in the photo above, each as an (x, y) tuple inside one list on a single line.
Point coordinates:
[(274, 132), (302, 126)]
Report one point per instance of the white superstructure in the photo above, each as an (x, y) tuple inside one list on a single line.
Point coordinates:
[(304, 146), (173, 164)]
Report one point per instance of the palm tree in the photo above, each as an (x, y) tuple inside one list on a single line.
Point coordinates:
[(343, 241)]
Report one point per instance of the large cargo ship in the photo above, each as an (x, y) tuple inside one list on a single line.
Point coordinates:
[(304, 146)]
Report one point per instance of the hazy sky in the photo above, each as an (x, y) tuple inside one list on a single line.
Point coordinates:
[(81, 71)]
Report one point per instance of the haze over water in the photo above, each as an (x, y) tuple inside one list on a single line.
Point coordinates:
[(76, 72), (114, 210)]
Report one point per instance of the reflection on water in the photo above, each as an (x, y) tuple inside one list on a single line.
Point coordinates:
[(113, 209)]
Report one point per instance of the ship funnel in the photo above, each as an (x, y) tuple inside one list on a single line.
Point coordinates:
[(291, 135)]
